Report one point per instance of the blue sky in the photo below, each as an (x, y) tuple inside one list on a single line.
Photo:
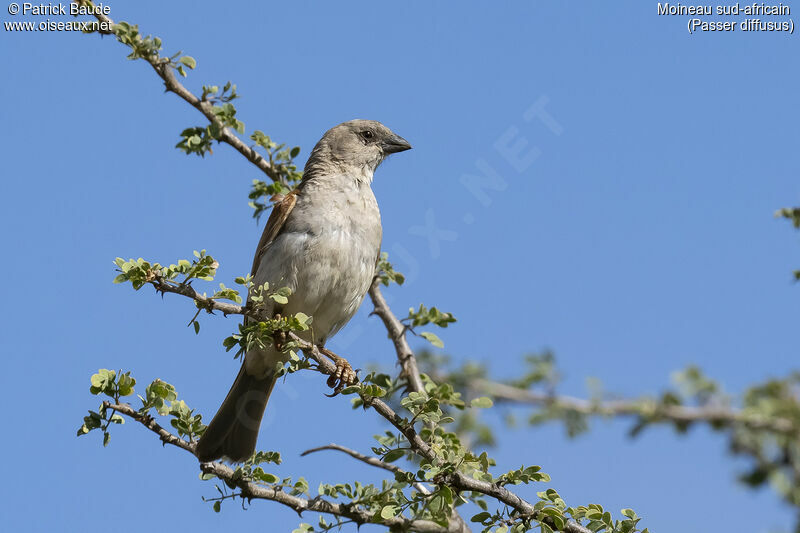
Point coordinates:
[(637, 237)]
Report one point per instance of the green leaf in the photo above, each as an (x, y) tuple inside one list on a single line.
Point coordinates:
[(447, 494), (217, 506), (266, 477), (424, 316), (388, 512), (483, 402), (481, 517), (279, 298), (393, 456), (188, 61), (103, 381), (387, 273), (432, 338)]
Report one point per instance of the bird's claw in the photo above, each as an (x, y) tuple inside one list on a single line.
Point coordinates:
[(343, 376)]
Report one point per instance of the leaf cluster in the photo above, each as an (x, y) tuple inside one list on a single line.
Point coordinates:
[(139, 272), (159, 396), (286, 175), (386, 272)]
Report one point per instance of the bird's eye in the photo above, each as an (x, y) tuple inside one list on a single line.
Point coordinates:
[(367, 134)]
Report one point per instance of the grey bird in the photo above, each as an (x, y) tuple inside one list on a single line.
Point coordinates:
[(322, 241)]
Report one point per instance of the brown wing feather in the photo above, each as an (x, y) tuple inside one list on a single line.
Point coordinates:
[(280, 212)]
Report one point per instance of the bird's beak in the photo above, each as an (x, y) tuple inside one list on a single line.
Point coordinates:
[(395, 144)]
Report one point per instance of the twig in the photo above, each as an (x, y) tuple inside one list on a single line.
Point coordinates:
[(165, 71), (209, 304), (320, 505), (373, 461), (397, 333), (251, 490), (643, 408), (150, 423)]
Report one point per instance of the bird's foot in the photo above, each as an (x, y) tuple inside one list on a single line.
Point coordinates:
[(344, 374)]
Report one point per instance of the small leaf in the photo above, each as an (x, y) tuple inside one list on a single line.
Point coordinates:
[(188, 61), (279, 298), (482, 402), (393, 456), (432, 338), (266, 477)]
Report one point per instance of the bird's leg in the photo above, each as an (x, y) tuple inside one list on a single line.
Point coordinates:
[(344, 374)]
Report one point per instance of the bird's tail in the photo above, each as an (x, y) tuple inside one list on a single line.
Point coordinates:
[(233, 431)]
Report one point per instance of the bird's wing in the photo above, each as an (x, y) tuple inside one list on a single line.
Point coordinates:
[(280, 212)]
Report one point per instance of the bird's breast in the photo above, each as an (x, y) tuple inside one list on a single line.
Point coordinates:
[(326, 255)]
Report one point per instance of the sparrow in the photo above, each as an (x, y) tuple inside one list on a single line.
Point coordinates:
[(322, 241)]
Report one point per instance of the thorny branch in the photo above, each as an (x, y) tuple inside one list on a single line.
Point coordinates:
[(251, 491), (650, 410), (397, 333), (165, 71), (372, 461), (457, 480)]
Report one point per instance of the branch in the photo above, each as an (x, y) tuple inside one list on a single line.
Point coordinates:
[(458, 524), (320, 505), (149, 422), (457, 480), (395, 328), (165, 71), (253, 491), (209, 304), (643, 408), (397, 333), (372, 461)]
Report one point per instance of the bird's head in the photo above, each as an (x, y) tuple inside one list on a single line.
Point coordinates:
[(356, 146)]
